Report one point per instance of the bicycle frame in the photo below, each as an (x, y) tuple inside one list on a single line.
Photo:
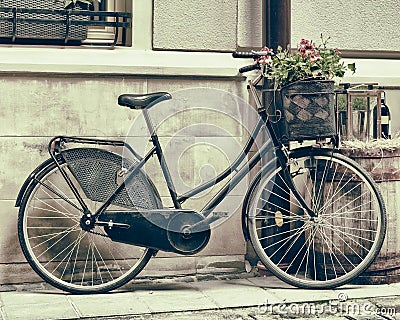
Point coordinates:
[(279, 150)]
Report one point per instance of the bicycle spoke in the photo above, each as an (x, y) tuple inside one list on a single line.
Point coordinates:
[(110, 251), (322, 183), (69, 255), (342, 195), (331, 252), (59, 195), (294, 259), (286, 199), (55, 210), (308, 250), (76, 256), (349, 203), (54, 235), (101, 258), (297, 234), (337, 229), (62, 251), (330, 190), (290, 214), (281, 233)]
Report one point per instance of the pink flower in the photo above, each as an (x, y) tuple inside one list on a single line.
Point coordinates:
[(315, 57), (267, 59), (337, 51), (305, 46), (306, 53)]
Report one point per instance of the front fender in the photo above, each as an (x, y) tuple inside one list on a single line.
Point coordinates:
[(249, 193)]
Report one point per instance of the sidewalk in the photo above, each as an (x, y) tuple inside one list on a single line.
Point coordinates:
[(168, 296)]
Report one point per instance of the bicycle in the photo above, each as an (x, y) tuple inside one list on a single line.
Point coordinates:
[(90, 221)]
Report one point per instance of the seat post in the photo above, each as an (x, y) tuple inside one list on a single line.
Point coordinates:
[(149, 123)]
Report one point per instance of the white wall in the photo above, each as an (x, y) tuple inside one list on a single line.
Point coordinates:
[(352, 24)]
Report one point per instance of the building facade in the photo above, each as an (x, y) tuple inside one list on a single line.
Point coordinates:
[(173, 46)]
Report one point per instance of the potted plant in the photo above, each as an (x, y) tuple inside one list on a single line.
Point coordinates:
[(309, 61), (303, 88)]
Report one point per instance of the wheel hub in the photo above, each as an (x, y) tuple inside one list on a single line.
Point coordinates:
[(87, 222)]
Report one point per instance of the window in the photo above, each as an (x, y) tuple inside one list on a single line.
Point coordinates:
[(105, 34)]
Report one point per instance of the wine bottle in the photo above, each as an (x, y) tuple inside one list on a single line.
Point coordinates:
[(385, 121)]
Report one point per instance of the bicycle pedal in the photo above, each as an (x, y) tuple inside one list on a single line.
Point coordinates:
[(110, 224)]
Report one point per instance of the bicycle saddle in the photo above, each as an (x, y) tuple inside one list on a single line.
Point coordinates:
[(141, 101)]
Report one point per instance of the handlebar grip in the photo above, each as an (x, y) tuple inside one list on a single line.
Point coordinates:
[(243, 55), (249, 68)]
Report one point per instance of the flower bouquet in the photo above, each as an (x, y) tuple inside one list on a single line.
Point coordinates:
[(303, 89), (309, 61)]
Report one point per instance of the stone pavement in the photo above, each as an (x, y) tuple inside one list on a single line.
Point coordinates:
[(266, 295)]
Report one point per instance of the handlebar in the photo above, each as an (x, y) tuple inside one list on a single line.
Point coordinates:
[(250, 68), (247, 54), (255, 55)]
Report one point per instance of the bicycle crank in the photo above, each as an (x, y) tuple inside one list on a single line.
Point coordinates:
[(182, 238)]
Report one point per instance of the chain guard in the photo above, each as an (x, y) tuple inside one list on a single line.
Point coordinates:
[(157, 229)]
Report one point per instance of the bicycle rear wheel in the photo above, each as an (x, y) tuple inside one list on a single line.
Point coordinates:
[(332, 248), (56, 246)]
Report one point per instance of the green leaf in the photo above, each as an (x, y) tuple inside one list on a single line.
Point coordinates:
[(352, 67)]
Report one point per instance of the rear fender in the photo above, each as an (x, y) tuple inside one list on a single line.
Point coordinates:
[(35, 173)]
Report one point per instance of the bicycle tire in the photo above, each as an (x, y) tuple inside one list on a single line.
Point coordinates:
[(331, 249), (72, 259)]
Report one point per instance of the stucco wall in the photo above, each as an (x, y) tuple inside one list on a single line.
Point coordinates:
[(195, 25), (224, 25), (355, 24), (219, 25)]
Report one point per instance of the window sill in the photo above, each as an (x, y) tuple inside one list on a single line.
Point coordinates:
[(119, 61), (383, 71)]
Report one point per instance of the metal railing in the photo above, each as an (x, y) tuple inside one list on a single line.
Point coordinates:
[(14, 20)]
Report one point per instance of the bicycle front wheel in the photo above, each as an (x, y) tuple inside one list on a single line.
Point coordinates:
[(333, 247), (60, 250)]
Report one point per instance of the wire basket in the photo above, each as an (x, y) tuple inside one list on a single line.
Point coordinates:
[(52, 26), (306, 110)]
